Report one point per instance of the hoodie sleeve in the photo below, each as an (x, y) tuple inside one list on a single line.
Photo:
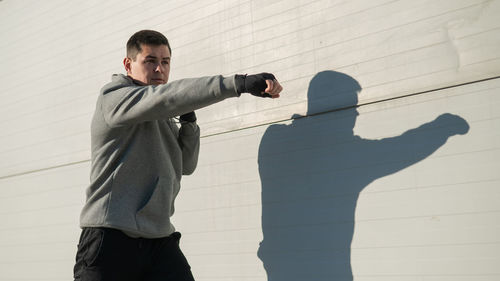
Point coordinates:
[(189, 141), (127, 103)]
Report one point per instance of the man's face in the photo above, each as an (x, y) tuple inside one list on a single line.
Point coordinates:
[(151, 66)]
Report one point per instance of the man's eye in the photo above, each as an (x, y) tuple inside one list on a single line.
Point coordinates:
[(165, 62)]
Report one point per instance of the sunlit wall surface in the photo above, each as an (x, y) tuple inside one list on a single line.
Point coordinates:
[(379, 162)]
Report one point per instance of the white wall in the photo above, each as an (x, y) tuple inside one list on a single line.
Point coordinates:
[(327, 194)]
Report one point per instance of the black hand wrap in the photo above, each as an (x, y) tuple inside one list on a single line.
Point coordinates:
[(253, 84), (188, 117)]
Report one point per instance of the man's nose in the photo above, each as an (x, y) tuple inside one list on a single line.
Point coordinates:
[(158, 68)]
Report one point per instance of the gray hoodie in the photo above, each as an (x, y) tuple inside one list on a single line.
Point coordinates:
[(139, 154)]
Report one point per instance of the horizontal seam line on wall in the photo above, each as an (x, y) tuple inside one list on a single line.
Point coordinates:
[(44, 169), (278, 121), (358, 105)]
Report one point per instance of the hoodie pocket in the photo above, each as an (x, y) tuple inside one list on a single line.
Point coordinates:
[(154, 215)]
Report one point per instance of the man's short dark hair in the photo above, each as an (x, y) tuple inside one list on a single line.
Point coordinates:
[(146, 37)]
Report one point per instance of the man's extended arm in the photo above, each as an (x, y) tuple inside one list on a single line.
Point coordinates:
[(131, 104)]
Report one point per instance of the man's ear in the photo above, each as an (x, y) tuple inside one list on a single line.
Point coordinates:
[(127, 64)]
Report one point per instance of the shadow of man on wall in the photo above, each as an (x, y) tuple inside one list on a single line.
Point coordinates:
[(312, 172)]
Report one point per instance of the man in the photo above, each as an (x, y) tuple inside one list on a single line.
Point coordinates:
[(138, 157)]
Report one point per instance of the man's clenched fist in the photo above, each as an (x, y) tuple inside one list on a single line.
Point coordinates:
[(262, 85)]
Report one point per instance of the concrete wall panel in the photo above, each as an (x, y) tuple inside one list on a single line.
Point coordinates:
[(356, 173)]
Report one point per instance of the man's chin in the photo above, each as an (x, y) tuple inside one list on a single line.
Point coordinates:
[(157, 82)]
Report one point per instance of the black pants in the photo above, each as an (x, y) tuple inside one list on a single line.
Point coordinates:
[(106, 254)]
